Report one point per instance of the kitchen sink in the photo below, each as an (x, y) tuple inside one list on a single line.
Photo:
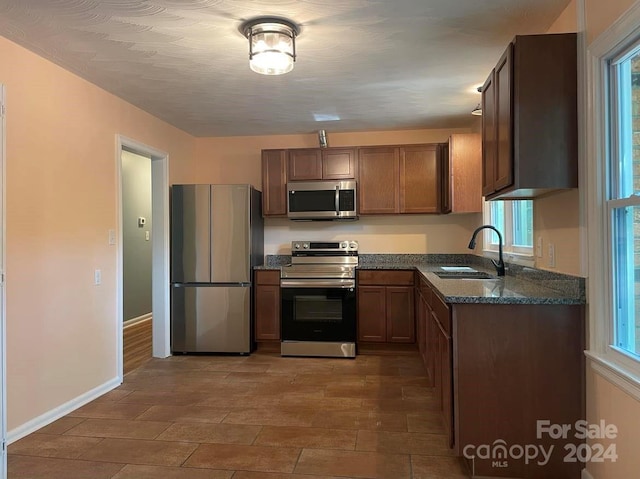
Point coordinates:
[(464, 275)]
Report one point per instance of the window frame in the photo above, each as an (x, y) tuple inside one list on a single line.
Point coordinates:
[(517, 254), (613, 363)]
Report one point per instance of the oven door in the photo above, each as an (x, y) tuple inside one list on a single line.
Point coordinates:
[(318, 310)]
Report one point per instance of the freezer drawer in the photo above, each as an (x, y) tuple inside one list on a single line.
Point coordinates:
[(211, 319)]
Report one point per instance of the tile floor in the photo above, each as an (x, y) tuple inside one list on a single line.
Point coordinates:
[(255, 417)]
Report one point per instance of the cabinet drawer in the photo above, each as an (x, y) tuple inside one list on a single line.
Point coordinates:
[(386, 277), (442, 312), (268, 277)]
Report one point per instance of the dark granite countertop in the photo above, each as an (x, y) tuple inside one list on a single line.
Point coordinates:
[(521, 285)]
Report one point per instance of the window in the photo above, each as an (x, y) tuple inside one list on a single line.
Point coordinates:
[(623, 200), (514, 220), (611, 188)]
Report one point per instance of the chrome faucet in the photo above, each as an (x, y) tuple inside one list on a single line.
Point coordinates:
[(498, 264)]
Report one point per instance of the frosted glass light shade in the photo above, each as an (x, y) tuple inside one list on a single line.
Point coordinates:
[(272, 46)]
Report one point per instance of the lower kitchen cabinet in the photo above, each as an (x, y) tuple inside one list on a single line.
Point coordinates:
[(267, 305), (497, 369), (386, 306)]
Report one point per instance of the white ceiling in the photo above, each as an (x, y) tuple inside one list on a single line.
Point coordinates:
[(376, 64)]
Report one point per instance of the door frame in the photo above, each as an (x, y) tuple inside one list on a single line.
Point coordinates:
[(160, 247), (3, 297)]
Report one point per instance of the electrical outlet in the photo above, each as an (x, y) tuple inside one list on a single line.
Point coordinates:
[(146, 236), (551, 255), (539, 247), (97, 277), (112, 237)]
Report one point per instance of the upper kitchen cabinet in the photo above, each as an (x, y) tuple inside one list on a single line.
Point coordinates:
[(399, 179), (462, 170), (321, 164), (529, 122), (274, 182)]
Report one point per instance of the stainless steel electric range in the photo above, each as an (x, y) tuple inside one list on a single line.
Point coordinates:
[(318, 291)]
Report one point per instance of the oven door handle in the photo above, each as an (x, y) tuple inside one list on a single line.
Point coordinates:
[(318, 283), (337, 200)]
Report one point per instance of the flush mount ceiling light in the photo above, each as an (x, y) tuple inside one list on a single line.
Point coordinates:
[(272, 44)]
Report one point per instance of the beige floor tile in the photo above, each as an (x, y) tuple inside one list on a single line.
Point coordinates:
[(301, 437), (184, 414), (407, 406), (47, 445), (368, 391), (110, 410), (417, 392), (430, 422), (164, 398), (236, 401), (403, 443), (328, 378), (353, 464), (322, 403), (131, 451), (378, 421), (161, 472), (25, 467), (420, 381), (246, 458), (61, 425), (211, 433), (122, 428), (432, 467), (276, 416), (276, 475)]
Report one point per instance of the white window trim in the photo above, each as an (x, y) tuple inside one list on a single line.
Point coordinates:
[(608, 361), (516, 255)]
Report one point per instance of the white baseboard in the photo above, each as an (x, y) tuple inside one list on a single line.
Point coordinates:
[(60, 411), (586, 475), (133, 321)]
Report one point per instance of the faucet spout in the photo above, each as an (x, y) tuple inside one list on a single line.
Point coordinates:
[(499, 265)]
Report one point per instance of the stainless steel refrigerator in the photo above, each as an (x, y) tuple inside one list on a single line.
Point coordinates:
[(216, 239)]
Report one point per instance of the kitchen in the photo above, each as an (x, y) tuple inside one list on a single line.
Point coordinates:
[(34, 246)]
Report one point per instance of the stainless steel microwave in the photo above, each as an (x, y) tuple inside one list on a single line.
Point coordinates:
[(322, 200)]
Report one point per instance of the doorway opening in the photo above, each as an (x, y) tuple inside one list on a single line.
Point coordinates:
[(159, 239)]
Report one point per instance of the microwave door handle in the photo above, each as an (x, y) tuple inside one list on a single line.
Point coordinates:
[(337, 200)]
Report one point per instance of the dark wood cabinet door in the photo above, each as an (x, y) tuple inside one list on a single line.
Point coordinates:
[(267, 312), (372, 321), (420, 179), (465, 159), (274, 182), (446, 391), (504, 120), (378, 172), (305, 164), (400, 314), (489, 141), (446, 200), (339, 164)]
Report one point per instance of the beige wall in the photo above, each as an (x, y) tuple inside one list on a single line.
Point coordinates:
[(238, 160), (556, 217), (605, 401), (61, 202)]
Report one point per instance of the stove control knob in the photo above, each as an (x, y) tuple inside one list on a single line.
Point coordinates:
[(305, 245), (297, 246), (353, 245), (343, 245)]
